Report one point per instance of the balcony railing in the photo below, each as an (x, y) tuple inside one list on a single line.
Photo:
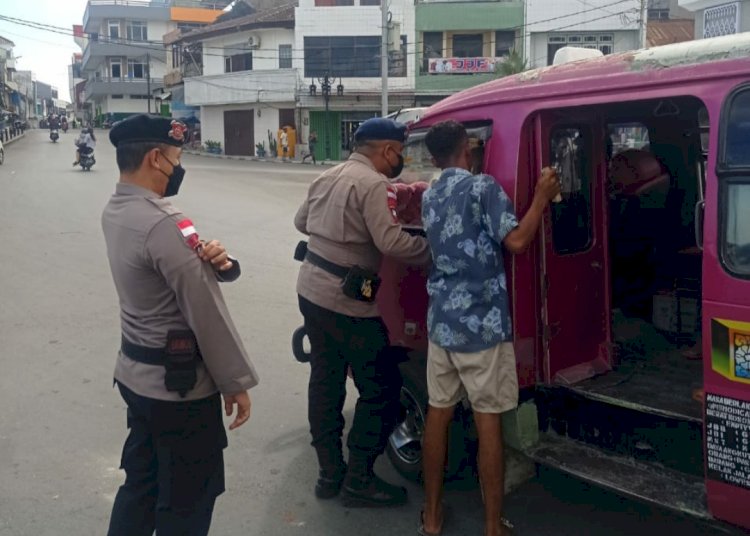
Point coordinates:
[(98, 50), (99, 10), (121, 86)]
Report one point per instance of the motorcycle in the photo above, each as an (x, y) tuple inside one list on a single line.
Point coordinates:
[(65, 128), (87, 160), (54, 135)]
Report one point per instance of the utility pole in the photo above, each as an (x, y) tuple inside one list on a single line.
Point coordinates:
[(642, 26), (148, 80), (384, 58)]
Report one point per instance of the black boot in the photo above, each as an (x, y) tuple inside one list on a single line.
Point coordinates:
[(331, 474), (364, 489)]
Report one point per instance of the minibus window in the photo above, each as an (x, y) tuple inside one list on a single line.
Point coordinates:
[(734, 182), (571, 229), (736, 243)]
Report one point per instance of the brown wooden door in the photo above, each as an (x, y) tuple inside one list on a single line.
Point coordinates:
[(239, 132), (286, 118)]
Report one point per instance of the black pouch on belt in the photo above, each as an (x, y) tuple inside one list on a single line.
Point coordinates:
[(300, 252), (361, 284), (181, 358)]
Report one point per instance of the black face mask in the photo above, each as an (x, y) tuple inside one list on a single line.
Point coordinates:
[(398, 168), (174, 180)]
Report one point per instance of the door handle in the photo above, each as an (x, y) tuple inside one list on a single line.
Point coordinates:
[(596, 265)]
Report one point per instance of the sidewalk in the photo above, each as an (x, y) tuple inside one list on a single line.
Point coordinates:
[(256, 159), (12, 140)]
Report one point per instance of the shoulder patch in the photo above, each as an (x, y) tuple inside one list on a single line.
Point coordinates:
[(392, 201), (189, 233)]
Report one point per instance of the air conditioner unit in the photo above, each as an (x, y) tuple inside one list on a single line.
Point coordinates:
[(253, 41)]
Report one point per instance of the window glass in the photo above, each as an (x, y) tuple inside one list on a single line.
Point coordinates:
[(349, 56), (736, 243), (624, 136), (116, 69), (285, 56), (114, 29), (737, 140), (136, 69), (504, 43), (137, 31), (468, 45), (571, 218)]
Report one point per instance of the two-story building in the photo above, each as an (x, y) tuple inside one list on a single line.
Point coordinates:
[(337, 52), (124, 59), (605, 25), (460, 43), (240, 73)]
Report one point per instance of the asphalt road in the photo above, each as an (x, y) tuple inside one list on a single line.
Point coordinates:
[(62, 425)]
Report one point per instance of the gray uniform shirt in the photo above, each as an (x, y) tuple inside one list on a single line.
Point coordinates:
[(163, 285), (350, 216)]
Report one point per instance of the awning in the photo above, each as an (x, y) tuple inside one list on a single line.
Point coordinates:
[(11, 85), (163, 96)]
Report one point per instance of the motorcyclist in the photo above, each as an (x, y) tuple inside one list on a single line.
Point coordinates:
[(54, 122), (64, 124), (84, 144)]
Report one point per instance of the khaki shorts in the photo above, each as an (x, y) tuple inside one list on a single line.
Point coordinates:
[(488, 378)]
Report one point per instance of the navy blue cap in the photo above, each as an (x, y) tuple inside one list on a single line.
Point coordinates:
[(380, 129), (144, 128)]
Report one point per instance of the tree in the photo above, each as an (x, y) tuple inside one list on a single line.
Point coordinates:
[(514, 63)]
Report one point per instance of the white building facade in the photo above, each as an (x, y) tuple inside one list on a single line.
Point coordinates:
[(598, 24), (246, 83), (342, 39)]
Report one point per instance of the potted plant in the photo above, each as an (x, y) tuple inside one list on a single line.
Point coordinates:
[(213, 147), (260, 149), (273, 145)]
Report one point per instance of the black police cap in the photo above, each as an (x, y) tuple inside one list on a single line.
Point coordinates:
[(144, 128), (380, 129)]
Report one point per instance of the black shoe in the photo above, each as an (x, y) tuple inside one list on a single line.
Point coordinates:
[(328, 486), (371, 492)]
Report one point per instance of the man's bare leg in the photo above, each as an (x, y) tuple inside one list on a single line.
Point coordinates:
[(491, 470), (434, 448)]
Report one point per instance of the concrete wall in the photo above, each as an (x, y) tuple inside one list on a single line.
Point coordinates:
[(265, 57), (125, 105), (744, 16), (243, 87), (212, 120), (355, 21)]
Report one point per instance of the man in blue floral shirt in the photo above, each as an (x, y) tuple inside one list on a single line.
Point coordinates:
[(468, 219)]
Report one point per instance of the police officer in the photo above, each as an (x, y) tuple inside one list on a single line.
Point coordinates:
[(179, 345), (350, 217)]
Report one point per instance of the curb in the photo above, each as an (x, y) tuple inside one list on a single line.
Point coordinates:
[(253, 158), (6, 143)]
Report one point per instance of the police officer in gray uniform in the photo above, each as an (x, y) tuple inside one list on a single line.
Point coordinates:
[(179, 348)]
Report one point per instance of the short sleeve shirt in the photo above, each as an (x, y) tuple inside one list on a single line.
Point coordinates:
[(466, 217)]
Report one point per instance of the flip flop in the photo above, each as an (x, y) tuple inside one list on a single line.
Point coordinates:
[(421, 531)]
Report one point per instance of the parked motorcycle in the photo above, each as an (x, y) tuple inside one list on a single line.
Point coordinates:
[(54, 135), (87, 160)]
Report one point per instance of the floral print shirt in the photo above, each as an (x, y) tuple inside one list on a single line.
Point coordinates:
[(466, 217)]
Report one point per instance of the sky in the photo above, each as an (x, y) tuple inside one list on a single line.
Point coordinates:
[(47, 54)]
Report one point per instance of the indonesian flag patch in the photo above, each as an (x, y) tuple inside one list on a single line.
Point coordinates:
[(189, 233), (392, 202)]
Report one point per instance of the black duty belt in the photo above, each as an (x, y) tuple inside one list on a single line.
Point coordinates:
[(328, 266), (145, 354)]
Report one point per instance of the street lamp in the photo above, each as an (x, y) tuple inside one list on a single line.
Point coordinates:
[(326, 84)]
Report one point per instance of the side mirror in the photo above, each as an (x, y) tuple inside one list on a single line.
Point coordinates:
[(700, 210)]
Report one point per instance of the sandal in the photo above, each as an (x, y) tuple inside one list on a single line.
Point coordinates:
[(421, 531)]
